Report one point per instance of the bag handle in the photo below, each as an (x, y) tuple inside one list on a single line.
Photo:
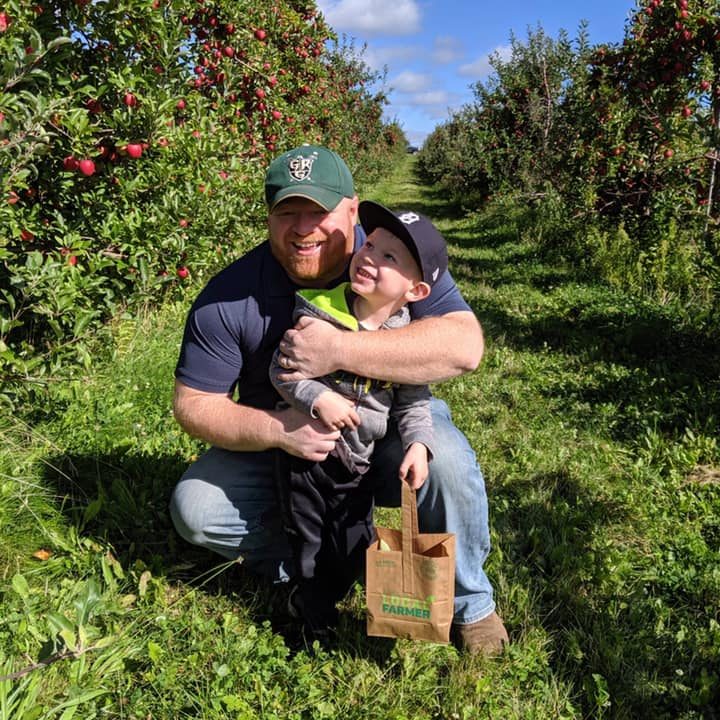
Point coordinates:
[(409, 533)]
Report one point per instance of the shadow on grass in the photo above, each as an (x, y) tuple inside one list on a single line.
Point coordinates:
[(637, 358), (600, 623), (669, 377), (657, 372), (123, 499)]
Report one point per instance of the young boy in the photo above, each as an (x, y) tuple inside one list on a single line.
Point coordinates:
[(328, 506)]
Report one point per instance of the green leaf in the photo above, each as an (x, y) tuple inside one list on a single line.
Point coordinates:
[(59, 622), (87, 601), (92, 509), (21, 587), (68, 637), (75, 703), (154, 651)]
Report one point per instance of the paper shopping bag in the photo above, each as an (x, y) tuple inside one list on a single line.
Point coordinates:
[(410, 580)]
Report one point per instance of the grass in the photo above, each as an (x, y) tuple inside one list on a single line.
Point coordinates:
[(594, 415)]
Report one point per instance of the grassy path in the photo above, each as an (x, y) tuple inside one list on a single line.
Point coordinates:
[(594, 416)]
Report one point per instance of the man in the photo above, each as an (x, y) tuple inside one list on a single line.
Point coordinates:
[(226, 501)]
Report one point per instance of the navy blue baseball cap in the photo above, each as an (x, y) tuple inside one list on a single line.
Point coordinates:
[(421, 237)]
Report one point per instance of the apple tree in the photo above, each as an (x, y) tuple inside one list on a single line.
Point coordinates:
[(134, 136)]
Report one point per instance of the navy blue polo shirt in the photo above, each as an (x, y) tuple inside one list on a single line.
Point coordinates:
[(240, 316)]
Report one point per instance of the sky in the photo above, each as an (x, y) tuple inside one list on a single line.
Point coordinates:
[(435, 50)]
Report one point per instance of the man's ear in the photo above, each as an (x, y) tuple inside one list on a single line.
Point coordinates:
[(354, 209), (419, 291)]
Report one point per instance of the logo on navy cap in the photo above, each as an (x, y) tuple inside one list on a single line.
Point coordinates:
[(409, 218)]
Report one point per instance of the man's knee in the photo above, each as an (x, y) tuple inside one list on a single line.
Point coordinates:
[(187, 510), (454, 461)]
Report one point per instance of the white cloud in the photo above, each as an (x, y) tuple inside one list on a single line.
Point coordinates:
[(434, 104), (410, 82), (378, 58), (447, 49), (481, 67), (373, 17), (431, 97)]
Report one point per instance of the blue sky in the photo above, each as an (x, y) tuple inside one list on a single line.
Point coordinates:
[(434, 50)]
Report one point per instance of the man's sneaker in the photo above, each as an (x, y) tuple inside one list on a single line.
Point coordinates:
[(484, 637)]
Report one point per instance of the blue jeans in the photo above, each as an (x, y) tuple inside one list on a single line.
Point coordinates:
[(226, 502)]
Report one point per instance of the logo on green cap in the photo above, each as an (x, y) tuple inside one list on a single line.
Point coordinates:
[(300, 167)]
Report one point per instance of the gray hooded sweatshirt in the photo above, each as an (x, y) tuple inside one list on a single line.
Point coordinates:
[(374, 400)]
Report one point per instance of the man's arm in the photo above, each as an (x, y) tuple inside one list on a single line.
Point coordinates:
[(218, 420), (427, 350)]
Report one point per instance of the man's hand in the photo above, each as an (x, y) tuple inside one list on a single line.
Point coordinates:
[(414, 467), (304, 437), (336, 411), (311, 349)]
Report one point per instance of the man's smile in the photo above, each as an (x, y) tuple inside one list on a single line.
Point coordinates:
[(306, 248)]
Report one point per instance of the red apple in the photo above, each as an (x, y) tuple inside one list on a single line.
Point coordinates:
[(72, 260), (4, 21), (259, 93), (669, 153), (182, 272), (87, 167), (180, 105), (26, 235), (134, 150), (130, 100), (260, 34), (183, 222)]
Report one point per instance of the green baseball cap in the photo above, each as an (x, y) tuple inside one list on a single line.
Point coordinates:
[(309, 171)]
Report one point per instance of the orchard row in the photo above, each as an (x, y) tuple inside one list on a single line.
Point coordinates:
[(621, 141)]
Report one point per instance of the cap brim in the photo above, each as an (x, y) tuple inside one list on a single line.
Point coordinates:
[(326, 199)]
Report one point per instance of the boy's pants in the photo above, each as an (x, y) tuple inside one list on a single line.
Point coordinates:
[(327, 514)]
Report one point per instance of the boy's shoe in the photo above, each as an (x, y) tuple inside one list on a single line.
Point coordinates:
[(484, 637), (293, 603), (319, 631)]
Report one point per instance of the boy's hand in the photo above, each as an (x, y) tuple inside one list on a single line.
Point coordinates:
[(414, 467), (336, 411)]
